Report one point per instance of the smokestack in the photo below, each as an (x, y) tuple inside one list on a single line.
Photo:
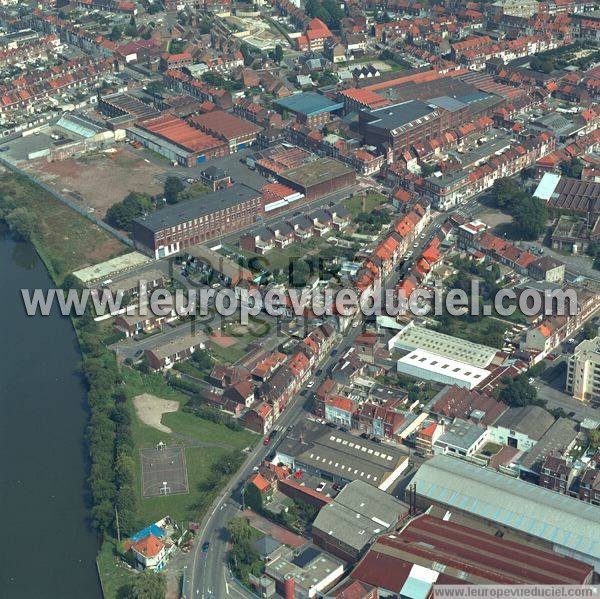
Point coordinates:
[(290, 587)]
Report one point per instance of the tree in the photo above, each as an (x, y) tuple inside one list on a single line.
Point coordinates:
[(148, 585), (531, 217), (173, 187), (122, 214), (115, 34), (594, 439), (572, 168), (278, 54), (253, 498), (517, 392), (590, 330), (155, 87), (506, 193), (22, 222), (131, 29)]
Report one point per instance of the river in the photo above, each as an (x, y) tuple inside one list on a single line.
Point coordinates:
[(48, 550)]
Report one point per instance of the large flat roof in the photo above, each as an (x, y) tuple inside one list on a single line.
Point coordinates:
[(416, 337), (398, 115), (104, 270), (558, 519), (309, 103), (359, 513), (351, 458), (190, 209), (440, 366), (228, 126), (318, 171)]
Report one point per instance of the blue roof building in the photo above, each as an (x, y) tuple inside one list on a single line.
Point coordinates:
[(309, 107)]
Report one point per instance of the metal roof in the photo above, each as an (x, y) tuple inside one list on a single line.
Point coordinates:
[(309, 103), (359, 513), (522, 506)]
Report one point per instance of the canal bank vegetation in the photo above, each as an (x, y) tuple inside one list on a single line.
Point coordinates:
[(67, 241), (64, 239)]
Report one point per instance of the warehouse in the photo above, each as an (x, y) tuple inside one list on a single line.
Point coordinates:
[(413, 337), (309, 108), (433, 550), (318, 178), (342, 457), (237, 132), (174, 139), (563, 524), (400, 126), (422, 364), (176, 227), (359, 513)]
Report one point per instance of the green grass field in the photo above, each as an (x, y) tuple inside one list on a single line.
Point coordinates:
[(65, 240), (199, 460), (355, 203)]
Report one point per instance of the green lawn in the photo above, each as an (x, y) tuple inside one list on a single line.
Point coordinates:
[(65, 239), (114, 575), (198, 459), (355, 203)]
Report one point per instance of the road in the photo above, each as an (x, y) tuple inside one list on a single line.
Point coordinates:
[(209, 574)]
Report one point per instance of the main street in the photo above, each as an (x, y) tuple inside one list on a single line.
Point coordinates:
[(208, 575), (209, 572)]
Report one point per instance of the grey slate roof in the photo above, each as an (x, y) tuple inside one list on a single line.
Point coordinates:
[(556, 439), (185, 211), (522, 506), (359, 513), (532, 421)]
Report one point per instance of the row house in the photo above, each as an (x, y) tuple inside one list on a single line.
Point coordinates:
[(39, 49), (380, 420), (556, 474), (164, 354), (541, 339), (136, 323), (450, 189), (22, 93), (178, 81), (589, 486)]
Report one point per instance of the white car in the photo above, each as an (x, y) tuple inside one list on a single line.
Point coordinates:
[(416, 244), (354, 325), (320, 486), (310, 384)]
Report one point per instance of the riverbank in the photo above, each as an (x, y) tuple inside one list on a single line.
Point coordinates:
[(44, 414), (66, 241)]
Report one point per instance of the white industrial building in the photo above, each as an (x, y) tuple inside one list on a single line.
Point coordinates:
[(425, 365)]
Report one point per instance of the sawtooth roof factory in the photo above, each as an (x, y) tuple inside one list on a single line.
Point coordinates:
[(554, 521), (341, 457)]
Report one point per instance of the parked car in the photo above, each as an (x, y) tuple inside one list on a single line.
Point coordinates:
[(310, 385), (205, 546), (330, 425), (321, 486), (267, 440), (319, 372)]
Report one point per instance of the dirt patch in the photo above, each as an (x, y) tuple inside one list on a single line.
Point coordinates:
[(494, 218), (150, 409), (99, 181), (223, 340)]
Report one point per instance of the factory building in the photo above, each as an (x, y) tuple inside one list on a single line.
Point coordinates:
[(237, 132), (318, 178), (548, 519), (400, 126), (174, 139), (176, 227)]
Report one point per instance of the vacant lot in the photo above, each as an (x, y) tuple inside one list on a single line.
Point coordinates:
[(66, 240), (358, 204), (98, 181)]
